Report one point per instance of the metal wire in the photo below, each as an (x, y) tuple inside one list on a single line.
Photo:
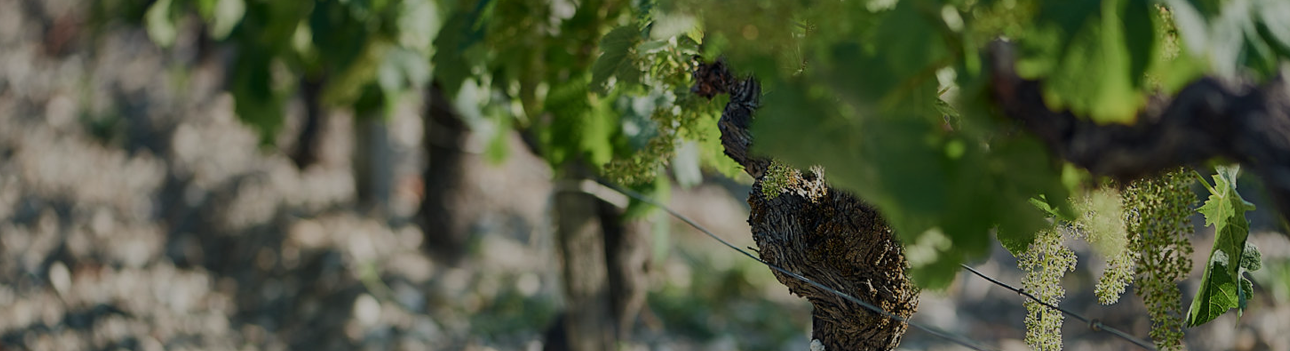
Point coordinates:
[(1094, 324), (958, 339)]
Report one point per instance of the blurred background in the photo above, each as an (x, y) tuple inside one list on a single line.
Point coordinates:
[(197, 175)]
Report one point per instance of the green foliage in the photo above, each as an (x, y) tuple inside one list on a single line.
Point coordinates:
[(1224, 285), (1158, 211), (1235, 37), (367, 54), (1111, 41), (615, 59), (1045, 262), (638, 61), (601, 82)]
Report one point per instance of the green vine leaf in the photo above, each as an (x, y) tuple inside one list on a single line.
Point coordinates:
[(1099, 57), (1222, 286), (616, 57)]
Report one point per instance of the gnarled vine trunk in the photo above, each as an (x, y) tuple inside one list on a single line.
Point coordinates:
[(819, 232)]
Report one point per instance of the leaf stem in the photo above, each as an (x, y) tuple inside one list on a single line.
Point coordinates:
[(1202, 180)]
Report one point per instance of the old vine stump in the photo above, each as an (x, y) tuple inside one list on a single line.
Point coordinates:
[(821, 233)]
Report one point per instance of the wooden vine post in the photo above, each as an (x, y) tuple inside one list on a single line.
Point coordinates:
[(802, 224)]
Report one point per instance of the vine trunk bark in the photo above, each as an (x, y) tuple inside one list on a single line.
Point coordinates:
[(824, 234)]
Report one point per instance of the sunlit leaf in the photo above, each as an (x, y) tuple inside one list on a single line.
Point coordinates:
[(160, 24), (223, 15), (1100, 69), (1221, 284)]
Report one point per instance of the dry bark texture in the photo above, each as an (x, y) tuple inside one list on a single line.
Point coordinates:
[(818, 232)]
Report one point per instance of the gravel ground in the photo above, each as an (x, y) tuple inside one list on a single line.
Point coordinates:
[(137, 213)]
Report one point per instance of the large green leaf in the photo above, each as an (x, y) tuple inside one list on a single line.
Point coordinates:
[(1100, 66), (1221, 286)]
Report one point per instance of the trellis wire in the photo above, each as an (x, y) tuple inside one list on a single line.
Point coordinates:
[(1093, 324)]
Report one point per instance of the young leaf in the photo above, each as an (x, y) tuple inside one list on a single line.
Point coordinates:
[(1244, 294), (616, 52), (1222, 285), (1252, 259)]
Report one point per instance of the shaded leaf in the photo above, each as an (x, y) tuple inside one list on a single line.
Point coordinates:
[(616, 57), (1220, 288), (1251, 259)]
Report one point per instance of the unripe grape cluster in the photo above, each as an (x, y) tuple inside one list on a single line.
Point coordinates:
[(1158, 211), (1118, 274), (679, 115), (1102, 224), (1045, 262), (643, 166)]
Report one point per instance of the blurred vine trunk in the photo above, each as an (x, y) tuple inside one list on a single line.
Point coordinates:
[(306, 152), (588, 319), (445, 133), (627, 252), (604, 260), (373, 162)]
